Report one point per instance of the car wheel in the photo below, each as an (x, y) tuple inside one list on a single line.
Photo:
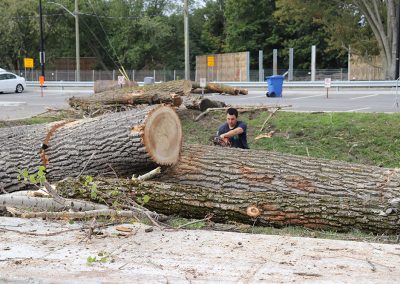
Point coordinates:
[(19, 88)]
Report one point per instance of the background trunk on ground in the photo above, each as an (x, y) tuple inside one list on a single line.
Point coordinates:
[(221, 89), (107, 85), (271, 189), (168, 92), (121, 143), (200, 103)]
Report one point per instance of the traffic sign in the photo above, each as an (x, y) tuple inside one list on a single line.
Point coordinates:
[(328, 82), (121, 80), (210, 61), (28, 62), (203, 82)]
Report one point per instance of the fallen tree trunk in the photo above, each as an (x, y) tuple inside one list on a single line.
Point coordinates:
[(221, 89), (168, 92), (121, 143), (201, 103), (268, 188)]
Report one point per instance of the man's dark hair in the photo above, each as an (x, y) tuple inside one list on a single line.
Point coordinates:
[(232, 111)]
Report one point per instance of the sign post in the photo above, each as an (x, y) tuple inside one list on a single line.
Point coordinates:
[(328, 83), (121, 81), (203, 84)]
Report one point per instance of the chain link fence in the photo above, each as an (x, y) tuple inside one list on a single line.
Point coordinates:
[(169, 75)]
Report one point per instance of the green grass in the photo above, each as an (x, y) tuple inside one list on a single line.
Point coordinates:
[(365, 138)]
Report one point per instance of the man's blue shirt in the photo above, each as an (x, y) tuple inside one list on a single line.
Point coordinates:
[(238, 141)]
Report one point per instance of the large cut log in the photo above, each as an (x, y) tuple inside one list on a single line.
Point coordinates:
[(221, 89), (268, 188), (168, 92), (201, 103), (120, 143)]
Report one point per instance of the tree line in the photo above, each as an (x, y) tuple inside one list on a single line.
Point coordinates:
[(148, 34)]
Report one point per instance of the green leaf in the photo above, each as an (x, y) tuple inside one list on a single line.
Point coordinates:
[(146, 199), (32, 179)]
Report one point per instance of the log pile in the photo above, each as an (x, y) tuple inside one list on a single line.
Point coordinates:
[(166, 93), (120, 143)]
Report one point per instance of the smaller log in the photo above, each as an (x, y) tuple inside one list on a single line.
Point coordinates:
[(201, 103), (222, 89), (168, 93)]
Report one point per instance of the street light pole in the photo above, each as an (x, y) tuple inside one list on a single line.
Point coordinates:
[(78, 58), (41, 54), (186, 28), (75, 14)]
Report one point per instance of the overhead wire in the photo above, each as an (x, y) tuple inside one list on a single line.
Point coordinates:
[(121, 68)]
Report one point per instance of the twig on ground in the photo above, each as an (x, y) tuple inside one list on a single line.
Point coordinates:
[(268, 118), (79, 215), (207, 218), (55, 233), (148, 175)]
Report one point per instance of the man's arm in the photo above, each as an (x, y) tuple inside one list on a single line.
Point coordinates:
[(232, 133)]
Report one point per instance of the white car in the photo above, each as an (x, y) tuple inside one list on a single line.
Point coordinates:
[(9, 82)]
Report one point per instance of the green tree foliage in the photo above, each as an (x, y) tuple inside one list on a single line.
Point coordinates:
[(141, 34)]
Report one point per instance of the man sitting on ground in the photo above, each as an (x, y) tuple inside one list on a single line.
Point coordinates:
[(234, 130)]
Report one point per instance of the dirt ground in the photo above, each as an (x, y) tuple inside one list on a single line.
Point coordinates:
[(183, 256)]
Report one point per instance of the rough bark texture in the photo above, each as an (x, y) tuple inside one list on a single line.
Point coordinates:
[(107, 85), (121, 143), (270, 189), (222, 89), (168, 92), (201, 103)]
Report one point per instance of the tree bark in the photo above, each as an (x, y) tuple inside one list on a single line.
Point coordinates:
[(268, 188), (201, 103), (121, 143), (168, 92), (222, 89)]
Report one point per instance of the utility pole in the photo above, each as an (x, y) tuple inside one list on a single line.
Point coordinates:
[(186, 28), (398, 44), (77, 53), (41, 53)]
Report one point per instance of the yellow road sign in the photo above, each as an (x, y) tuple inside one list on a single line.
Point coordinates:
[(28, 62), (210, 61)]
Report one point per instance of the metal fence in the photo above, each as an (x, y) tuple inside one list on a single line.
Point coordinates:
[(169, 75)]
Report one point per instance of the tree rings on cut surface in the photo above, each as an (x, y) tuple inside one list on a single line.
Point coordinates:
[(253, 211), (163, 135)]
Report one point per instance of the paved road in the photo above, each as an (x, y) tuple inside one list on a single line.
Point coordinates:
[(31, 102), (346, 100)]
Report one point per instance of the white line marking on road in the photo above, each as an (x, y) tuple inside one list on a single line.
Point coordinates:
[(9, 104), (357, 109), (308, 97), (251, 97), (363, 97)]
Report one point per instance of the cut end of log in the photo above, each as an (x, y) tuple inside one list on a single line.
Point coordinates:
[(253, 211), (163, 136)]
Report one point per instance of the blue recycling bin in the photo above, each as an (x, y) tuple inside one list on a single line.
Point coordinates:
[(275, 84)]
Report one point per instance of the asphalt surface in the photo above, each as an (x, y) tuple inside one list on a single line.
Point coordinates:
[(33, 102), (315, 100)]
